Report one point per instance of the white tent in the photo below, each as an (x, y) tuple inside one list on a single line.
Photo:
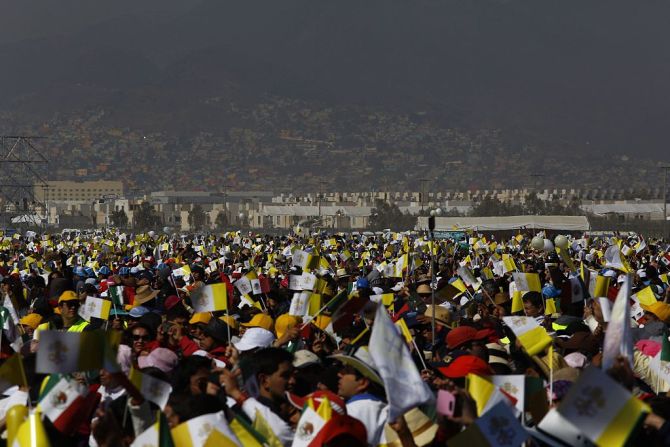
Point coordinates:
[(506, 223)]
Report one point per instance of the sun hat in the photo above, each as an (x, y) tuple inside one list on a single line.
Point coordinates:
[(362, 362)]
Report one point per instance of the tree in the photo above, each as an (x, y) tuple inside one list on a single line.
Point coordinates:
[(197, 218), (146, 217), (221, 221), (384, 215), (119, 219)]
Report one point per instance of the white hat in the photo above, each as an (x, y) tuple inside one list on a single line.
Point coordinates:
[(303, 357), (610, 273), (398, 287), (255, 337)]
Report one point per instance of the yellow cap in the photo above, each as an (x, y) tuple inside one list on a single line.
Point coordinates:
[(200, 317), (68, 295), (230, 321), (262, 321), (284, 323), (33, 320)]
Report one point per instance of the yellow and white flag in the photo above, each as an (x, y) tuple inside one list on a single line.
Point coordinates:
[(533, 337), (194, 432), (645, 296), (527, 282), (66, 352), (613, 259), (153, 390), (484, 392), (603, 410), (210, 298), (95, 308), (32, 433)]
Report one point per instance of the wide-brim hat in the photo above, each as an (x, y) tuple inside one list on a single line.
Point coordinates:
[(145, 293), (422, 428), (362, 362)]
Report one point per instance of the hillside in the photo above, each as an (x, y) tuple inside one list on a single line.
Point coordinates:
[(390, 91)]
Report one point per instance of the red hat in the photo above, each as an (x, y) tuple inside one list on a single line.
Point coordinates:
[(340, 425), (336, 401), (463, 334), (464, 365)]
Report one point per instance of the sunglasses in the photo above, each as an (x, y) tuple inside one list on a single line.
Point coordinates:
[(71, 304), (140, 337)]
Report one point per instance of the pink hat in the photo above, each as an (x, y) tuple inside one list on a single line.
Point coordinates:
[(161, 358)]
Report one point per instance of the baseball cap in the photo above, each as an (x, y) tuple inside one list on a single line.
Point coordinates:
[(463, 334), (33, 320), (230, 321), (68, 295), (260, 321), (284, 323), (465, 365), (255, 337), (303, 358), (161, 358), (138, 312), (200, 317)]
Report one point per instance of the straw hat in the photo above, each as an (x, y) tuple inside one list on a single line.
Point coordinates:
[(422, 428), (145, 293)]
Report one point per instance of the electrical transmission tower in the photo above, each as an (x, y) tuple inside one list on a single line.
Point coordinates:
[(23, 171)]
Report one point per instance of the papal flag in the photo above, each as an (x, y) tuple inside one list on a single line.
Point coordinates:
[(527, 282), (396, 367), (533, 337), (152, 389), (210, 298), (618, 337), (613, 259), (485, 393), (12, 373), (194, 432), (32, 433), (95, 308), (66, 352), (646, 296), (497, 427), (603, 410)]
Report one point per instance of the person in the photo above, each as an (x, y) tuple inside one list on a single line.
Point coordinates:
[(272, 372), (361, 387)]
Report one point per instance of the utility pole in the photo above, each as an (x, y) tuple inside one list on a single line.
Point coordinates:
[(321, 183), (665, 168), (423, 192)]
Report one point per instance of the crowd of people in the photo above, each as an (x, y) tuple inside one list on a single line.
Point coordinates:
[(335, 339)]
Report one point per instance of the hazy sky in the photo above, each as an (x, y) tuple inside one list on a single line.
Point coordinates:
[(590, 71)]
